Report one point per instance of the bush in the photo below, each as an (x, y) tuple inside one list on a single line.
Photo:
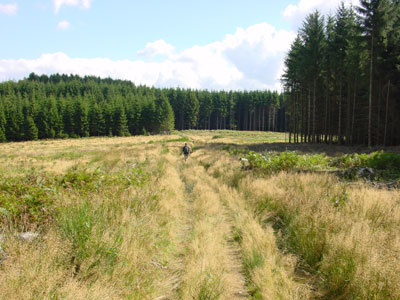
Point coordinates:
[(385, 165), (271, 163), (26, 202), (383, 160)]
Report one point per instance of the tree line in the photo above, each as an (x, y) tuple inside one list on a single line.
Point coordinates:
[(342, 76), (61, 106)]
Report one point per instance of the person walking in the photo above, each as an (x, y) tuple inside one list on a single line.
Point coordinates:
[(186, 151)]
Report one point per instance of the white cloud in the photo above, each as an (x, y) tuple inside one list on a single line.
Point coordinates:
[(159, 47), (10, 9), (81, 3), (296, 13), (250, 59), (63, 25)]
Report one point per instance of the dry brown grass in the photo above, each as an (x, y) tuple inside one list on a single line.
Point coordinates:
[(128, 250), (163, 229), (211, 269), (270, 273), (349, 234)]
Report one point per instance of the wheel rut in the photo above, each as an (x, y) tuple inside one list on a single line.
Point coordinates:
[(212, 265)]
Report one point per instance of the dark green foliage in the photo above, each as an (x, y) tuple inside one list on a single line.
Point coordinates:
[(383, 165), (2, 125), (72, 106), (80, 119), (26, 202), (164, 114), (120, 125), (30, 129), (192, 110), (97, 124), (342, 76)]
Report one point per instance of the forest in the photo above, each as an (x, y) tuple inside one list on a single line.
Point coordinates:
[(62, 106), (341, 85), (342, 76)]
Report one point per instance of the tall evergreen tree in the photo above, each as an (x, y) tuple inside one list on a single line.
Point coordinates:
[(120, 126), (2, 125), (191, 106), (374, 18), (30, 129), (164, 114)]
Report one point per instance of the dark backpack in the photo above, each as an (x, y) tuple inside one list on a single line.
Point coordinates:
[(186, 150)]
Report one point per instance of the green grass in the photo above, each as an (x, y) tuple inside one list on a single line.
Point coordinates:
[(27, 202), (209, 288), (384, 165)]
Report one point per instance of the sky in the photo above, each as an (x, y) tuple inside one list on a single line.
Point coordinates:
[(208, 44)]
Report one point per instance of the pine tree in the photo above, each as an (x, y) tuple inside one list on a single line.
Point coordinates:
[(2, 125), (96, 121), (374, 18), (313, 37), (134, 114), (164, 113), (120, 126), (30, 129), (80, 117)]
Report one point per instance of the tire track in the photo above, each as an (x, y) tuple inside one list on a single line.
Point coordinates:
[(212, 264), (269, 273)]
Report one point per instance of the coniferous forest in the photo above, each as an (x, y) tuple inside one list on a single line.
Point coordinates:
[(342, 76), (60, 106), (341, 85)]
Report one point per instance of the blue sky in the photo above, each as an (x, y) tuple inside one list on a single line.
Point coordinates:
[(216, 44)]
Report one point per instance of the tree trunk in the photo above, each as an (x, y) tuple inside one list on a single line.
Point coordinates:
[(295, 120), (386, 113), (348, 115), (326, 118), (370, 93), (263, 119), (354, 109), (274, 120), (314, 107), (340, 116), (303, 123), (379, 114), (309, 117)]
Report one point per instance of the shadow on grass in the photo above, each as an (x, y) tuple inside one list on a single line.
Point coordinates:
[(330, 150)]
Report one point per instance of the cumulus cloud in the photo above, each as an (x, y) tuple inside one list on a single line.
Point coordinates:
[(296, 13), (82, 3), (159, 47), (249, 59), (63, 25), (10, 9)]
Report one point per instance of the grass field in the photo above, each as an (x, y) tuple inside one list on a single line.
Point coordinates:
[(244, 218)]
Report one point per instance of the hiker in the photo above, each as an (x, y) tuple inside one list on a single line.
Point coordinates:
[(186, 151)]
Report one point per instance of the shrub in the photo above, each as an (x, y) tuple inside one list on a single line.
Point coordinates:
[(26, 202)]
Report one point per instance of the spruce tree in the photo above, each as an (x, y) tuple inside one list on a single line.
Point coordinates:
[(30, 129), (120, 126), (96, 121), (191, 108), (2, 125), (164, 113)]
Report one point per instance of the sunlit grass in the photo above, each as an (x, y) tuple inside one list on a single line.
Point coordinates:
[(126, 218)]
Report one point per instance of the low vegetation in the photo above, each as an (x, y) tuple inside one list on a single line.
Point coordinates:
[(379, 165), (127, 218)]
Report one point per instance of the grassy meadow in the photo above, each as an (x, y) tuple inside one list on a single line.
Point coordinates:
[(249, 216)]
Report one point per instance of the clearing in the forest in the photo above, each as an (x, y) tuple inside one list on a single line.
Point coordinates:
[(247, 217)]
